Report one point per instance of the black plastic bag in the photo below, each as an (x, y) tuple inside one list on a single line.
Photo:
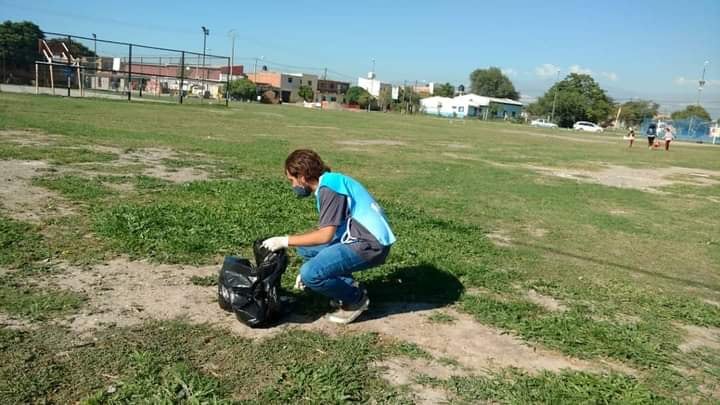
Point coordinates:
[(251, 292)]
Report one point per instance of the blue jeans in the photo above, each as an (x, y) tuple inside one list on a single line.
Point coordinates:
[(328, 270)]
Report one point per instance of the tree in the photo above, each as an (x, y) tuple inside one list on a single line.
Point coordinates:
[(491, 82), (306, 92), (18, 46), (444, 90), (384, 100), (358, 96), (242, 89), (579, 98), (633, 113), (691, 111)]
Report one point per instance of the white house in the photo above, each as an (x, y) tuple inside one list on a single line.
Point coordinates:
[(472, 105), (437, 105), (372, 85)]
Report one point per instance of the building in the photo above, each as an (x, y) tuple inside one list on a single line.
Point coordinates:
[(472, 105), (372, 85), (331, 91), (286, 84)]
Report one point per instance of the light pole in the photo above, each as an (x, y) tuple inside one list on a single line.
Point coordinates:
[(206, 32), (557, 79), (94, 44), (255, 80), (701, 82), (232, 35)]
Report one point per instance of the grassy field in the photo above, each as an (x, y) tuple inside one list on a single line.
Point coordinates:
[(570, 242)]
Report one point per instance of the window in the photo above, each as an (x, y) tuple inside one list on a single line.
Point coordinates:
[(461, 109), (513, 114), (333, 98), (289, 79), (309, 82)]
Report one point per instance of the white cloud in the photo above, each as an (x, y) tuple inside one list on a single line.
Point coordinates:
[(510, 72), (680, 81), (612, 76), (580, 70), (546, 70), (527, 99)]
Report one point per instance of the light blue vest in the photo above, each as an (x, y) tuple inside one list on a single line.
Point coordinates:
[(363, 207)]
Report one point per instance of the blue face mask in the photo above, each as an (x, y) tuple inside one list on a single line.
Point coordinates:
[(302, 191)]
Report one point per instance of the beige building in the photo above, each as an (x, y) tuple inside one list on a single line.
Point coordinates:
[(286, 84)]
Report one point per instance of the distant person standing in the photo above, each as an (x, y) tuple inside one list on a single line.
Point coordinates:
[(668, 137), (631, 137), (650, 132), (660, 135)]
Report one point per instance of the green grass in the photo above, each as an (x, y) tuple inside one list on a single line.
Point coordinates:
[(172, 362), (516, 387), (607, 254), (20, 243), (34, 302)]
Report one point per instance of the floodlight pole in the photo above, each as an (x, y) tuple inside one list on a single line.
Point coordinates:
[(557, 79), (701, 82)]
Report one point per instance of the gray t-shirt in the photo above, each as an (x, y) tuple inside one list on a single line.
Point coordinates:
[(334, 211)]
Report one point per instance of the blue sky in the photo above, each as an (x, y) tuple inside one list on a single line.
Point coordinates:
[(647, 49)]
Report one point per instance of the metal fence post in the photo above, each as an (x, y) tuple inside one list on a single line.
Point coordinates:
[(227, 85), (129, 76), (182, 74)]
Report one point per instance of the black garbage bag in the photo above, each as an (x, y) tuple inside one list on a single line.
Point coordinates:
[(251, 292)]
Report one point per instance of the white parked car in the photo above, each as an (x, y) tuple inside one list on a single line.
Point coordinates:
[(587, 126), (542, 123)]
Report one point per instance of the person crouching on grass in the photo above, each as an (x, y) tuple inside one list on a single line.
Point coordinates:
[(353, 234)]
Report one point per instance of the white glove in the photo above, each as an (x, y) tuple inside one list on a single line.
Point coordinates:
[(299, 284), (276, 243)]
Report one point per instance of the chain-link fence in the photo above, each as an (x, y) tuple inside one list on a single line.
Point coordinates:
[(693, 129), (90, 67)]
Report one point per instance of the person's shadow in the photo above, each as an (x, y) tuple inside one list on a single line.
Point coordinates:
[(405, 289)]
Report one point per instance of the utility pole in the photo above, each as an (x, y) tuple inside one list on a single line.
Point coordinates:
[(206, 32), (95, 44), (232, 35), (557, 79)]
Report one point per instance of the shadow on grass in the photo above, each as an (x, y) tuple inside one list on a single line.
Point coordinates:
[(406, 289)]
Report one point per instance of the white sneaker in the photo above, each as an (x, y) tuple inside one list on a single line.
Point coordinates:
[(348, 313)]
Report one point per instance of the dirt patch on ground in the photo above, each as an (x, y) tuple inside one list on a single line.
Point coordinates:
[(370, 142), (568, 137), (500, 238), (28, 138), (545, 301), (7, 321), (640, 179), (123, 293), (698, 336), (23, 201), (154, 160), (312, 127), (404, 371)]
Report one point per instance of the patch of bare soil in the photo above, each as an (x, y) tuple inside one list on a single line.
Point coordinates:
[(370, 142), (563, 137), (153, 159), (404, 371), (122, 293), (7, 321), (28, 138), (545, 301), (23, 201), (626, 177), (500, 238), (312, 127), (698, 336)]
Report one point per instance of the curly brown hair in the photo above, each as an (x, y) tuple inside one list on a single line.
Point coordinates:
[(305, 163)]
